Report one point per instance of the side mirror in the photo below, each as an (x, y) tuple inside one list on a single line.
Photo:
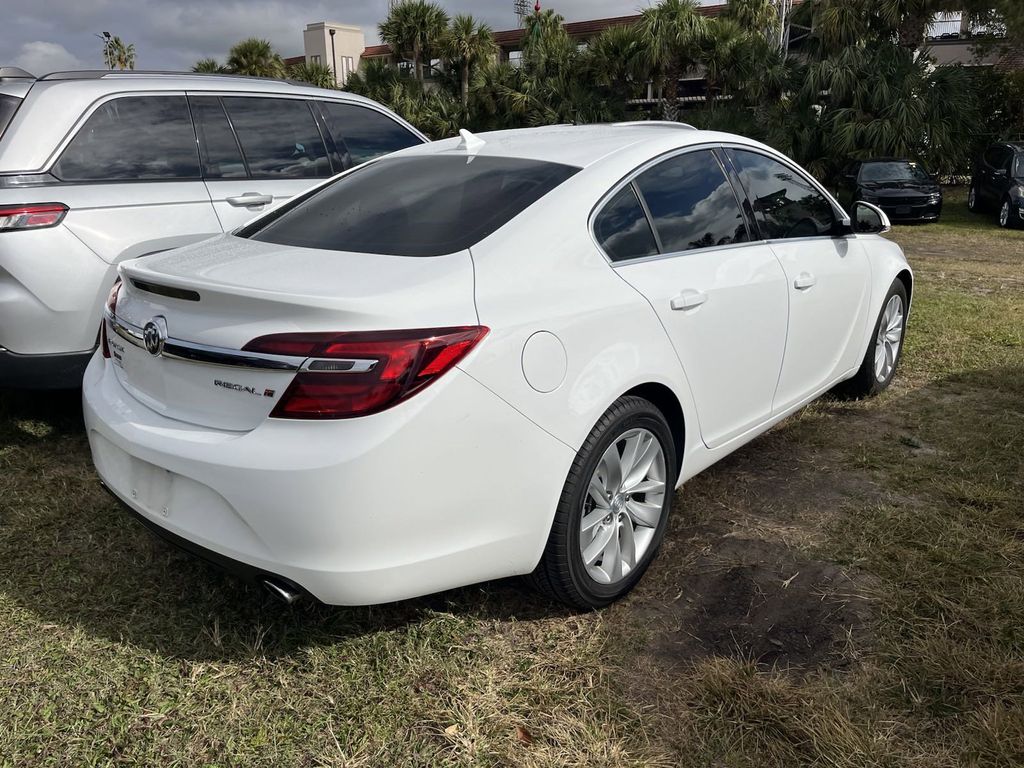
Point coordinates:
[(869, 219)]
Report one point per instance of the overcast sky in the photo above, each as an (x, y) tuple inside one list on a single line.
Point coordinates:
[(47, 35)]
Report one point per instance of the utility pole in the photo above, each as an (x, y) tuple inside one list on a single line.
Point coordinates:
[(785, 8), (334, 58), (522, 10)]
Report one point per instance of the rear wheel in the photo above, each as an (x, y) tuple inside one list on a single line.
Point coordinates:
[(613, 510), (885, 348)]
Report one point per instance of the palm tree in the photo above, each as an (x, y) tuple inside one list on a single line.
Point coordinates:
[(413, 28), (116, 53), (255, 57), (672, 30), (611, 60), (468, 43), (726, 56), (208, 66), (314, 73), (757, 16)]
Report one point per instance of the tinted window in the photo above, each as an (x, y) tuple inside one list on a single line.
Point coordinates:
[(366, 132), (692, 203), (1019, 166), (998, 157), (279, 137), (8, 106), (221, 156), (622, 228), (413, 206), (133, 138), (786, 204), (893, 171)]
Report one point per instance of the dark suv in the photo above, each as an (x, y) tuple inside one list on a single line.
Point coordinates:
[(997, 183), (901, 188)]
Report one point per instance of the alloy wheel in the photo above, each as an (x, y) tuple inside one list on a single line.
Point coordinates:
[(890, 336), (1004, 214), (623, 506), (972, 198)]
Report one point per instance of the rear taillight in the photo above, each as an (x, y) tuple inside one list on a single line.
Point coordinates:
[(356, 374), (111, 306), (34, 216)]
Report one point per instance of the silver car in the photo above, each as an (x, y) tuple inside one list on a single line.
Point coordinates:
[(98, 167)]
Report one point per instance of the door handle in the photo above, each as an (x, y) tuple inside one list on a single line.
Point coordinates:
[(804, 281), (249, 200), (689, 299)]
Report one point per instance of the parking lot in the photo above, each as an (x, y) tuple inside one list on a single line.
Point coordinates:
[(845, 590)]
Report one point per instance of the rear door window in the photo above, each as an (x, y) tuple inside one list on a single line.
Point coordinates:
[(133, 138), (622, 227), (366, 132), (692, 203), (412, 206), (279, 137), (786, 204), (222, 158)]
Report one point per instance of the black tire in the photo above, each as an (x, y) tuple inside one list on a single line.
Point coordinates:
[(865, 383), (561, 573)]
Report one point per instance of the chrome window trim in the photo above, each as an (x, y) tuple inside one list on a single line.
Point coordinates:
[(206, 354)]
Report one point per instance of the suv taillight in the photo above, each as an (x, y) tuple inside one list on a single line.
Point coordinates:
[(356, 374), (33, 216), (112, 309)]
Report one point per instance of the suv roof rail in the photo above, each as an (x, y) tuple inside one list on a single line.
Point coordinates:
[(655, 124), (99, 74), (15, 73)]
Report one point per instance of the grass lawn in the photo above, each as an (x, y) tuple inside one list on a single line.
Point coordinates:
[(848, 590)]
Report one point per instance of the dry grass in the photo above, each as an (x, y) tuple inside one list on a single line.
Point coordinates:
[(845, 591)]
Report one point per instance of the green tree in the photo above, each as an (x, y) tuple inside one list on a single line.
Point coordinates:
[(727, 55), (468, 44), (413, 29), (255, 57), (672, 30), (116, 53), (314, 73), (208, 66), (612, 61)]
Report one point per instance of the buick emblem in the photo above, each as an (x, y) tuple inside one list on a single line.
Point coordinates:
[(154, 335)]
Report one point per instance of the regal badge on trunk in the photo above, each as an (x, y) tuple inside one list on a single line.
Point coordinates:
[(154, 334)]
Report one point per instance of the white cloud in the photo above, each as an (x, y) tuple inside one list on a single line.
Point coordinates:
[(41, 57)]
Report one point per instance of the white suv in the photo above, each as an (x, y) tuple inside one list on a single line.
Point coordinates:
[(98, 167)]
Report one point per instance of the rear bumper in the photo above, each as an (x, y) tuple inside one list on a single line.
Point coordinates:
[(450, 488), (63, 371)]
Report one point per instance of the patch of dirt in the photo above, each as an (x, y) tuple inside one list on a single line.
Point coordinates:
[(757, 600)]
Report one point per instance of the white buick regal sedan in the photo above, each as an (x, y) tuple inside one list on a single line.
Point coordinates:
[(484, 357)]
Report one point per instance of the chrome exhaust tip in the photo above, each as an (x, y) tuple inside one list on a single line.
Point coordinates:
[(283, 592)]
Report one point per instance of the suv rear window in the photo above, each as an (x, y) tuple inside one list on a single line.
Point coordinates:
[(8, 106), (412, 206)]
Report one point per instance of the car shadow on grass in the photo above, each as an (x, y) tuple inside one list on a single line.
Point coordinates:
[(70, 555)]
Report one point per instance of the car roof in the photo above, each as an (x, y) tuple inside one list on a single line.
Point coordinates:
[(579, 145)]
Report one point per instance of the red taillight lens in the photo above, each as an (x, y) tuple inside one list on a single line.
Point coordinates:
[(36, 216), (112, 309), (356, 374)]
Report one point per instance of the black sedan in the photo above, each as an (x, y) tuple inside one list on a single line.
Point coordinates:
[(901, 188)]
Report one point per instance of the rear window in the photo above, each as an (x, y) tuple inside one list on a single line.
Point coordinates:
[(8, 106), (413, 206)]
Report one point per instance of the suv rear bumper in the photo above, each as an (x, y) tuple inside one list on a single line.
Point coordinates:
[(60, 371)]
